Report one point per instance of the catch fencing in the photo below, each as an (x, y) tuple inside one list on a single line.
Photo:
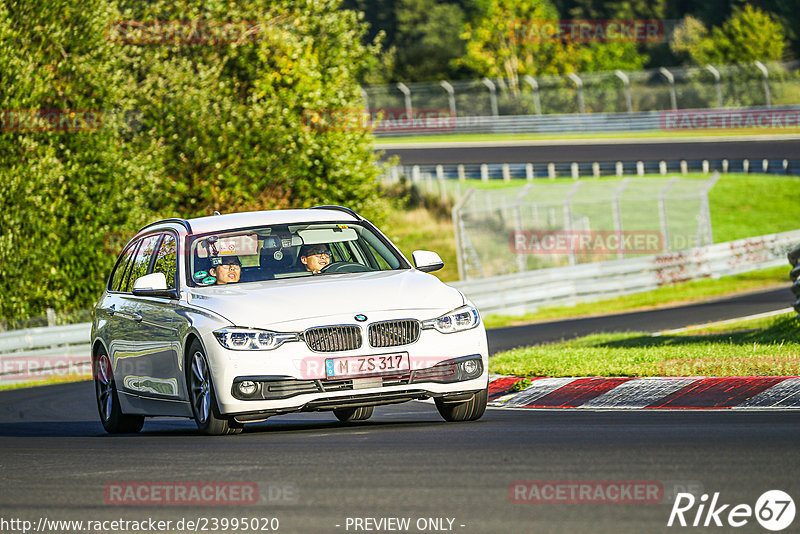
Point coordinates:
[(526, 292), (583, 102), (544, 224)]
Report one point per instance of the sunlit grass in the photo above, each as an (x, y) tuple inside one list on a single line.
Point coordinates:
[(764, 347)]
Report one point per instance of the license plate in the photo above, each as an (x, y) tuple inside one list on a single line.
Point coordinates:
[(366, 365)]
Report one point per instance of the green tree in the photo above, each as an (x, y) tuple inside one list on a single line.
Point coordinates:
[(749, 35), (269, 118), (509, 39), (68, 186), (268, 122), (428, 39)]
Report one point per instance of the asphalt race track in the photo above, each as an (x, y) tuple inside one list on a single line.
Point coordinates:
[(596, 150), (313, 473)]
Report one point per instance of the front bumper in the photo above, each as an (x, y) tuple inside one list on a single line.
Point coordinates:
[(292, 378)]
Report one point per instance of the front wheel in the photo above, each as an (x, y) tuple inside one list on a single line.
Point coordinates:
[(114, 421), (469, 410), (348, 415), (202, 397)]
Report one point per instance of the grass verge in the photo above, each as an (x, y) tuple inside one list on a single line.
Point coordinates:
[(762, 347)]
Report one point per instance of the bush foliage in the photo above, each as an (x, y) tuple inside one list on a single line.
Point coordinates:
[(263, 119)]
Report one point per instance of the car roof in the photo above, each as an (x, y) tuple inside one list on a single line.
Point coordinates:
[(230, 221)]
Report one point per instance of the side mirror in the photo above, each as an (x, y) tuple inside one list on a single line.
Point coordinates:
[(427, 261), (153, 285)]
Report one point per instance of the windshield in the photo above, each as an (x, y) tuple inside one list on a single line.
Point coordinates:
[(288, 251)]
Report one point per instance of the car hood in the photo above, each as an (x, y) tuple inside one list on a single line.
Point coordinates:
[(261, 304)]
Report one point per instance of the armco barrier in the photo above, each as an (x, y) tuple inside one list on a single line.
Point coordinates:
[(587, 123), (794, 274), (40, 353), (525, 292)]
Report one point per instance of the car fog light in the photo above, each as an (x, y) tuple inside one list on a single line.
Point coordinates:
[(247, 387), (470, 367)]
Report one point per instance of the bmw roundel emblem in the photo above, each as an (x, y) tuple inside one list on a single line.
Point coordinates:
[(361, 318)]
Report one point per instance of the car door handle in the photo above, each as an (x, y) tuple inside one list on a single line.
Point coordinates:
[(111, 310), (137, 317)]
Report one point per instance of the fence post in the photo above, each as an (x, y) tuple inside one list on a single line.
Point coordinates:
[(529, 171), (458, 231), (568, 220), (662, 213), (765, 72), (492, 95), (627, 83), (451, 96), (617, 214), (717, 79), (407, 97), (673, 95), (579, 85), (537, 102), (461, 175), (440, 180), (704, 225), (484, 172), (366, 100)]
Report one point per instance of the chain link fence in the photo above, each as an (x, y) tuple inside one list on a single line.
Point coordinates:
[(422, 107), (541, 225)]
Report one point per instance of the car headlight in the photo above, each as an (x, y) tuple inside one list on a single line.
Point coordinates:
[(458, 320), (251, 339)]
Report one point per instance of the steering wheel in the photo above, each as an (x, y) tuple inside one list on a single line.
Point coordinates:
[(344, 267)]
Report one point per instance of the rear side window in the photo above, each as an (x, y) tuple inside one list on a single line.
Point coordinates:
[(122, 267), (141, 261), (167, 260)]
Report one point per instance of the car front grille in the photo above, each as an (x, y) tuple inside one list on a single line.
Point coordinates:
[(393, 333), (333, 338)]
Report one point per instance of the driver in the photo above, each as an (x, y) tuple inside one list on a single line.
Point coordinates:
[(228, 272), (315, 257)]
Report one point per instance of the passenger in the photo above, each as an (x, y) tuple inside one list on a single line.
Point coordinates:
[(228, 272), (315, 257)]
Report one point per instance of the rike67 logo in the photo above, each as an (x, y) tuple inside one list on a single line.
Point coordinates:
[(774, 510)]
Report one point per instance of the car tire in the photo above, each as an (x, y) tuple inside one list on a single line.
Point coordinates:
[(348, 415), (202, 397), (111, 416), (469, 410)]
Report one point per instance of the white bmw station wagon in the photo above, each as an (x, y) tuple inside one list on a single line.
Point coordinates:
[(231, 319)]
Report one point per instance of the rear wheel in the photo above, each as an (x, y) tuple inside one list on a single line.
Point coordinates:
[(348, 415), (469, 410), (202, 397), (114, 421)]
